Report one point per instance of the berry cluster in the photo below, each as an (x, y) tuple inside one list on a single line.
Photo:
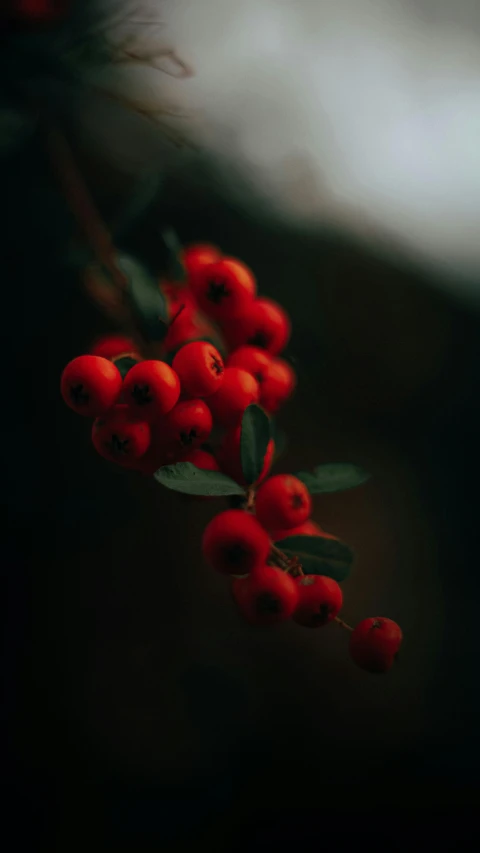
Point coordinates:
[(199, 419)]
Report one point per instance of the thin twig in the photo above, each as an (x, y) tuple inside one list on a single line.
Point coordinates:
[(343, 624)]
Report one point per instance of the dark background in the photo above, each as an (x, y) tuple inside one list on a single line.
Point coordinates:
[(140, 712)]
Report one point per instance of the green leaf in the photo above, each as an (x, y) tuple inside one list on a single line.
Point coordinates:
[(125, 364), (187, 478), (319, 556), (337, 476), (175, 269), (333, 477), (146, 298), (254, 438), (141, 199)]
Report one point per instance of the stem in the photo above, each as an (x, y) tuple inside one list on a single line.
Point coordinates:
[(250, 499), (343, 624)]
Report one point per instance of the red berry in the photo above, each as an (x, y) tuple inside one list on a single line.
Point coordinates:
[(276, 378), (196, 257), (230, 459), (234, 543), (225, 288), (374, 643), (264, 324), (90, 385), (320, 601), (201, 459), (119, 437), (151, 389), (199, 367), (187, 426), (266, 596), (283, 501), (111, 346), (308, 528), (238, 390)]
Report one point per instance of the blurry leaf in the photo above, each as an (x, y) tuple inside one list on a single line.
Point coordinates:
[(175, 269), (141, 199), (319, 556), (337, 476), (254, 439), (308, 479), (147, 300), (187, 478), (125, 364)]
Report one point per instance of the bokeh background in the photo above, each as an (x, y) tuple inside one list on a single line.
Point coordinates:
[(139, 711)]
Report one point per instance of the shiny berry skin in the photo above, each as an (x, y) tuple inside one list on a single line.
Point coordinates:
[(90, 385), (119, 437), (238, 390), (111, 346), (187, 426), (199, 366), (282, 501), (276, 378), (230, 459), (225, 288), (196, 257), (234, 543), (266, 596), (320, 601), (374, 643), (264, 324), (308, 528), (151, 389), (201, 459)]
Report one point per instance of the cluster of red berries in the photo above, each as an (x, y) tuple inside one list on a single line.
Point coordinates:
[(160, 413), (151, 413)]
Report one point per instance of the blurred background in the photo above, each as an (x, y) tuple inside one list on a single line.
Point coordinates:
[(140, 712)]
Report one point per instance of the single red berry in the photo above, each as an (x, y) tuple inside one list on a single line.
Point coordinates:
[(308, 528), (254, 360), (278, 385), (40, 10), (320, 601), (90, 385), (374, 643), (225, 288), (230, 458), (234, 543), (119, 437), (187, 426), (238, 390), (151, 389), (201, 459), (186, 324), (282, 501), (264, 324), (111, 346), (266, 596), (196, 257), (200, 368)]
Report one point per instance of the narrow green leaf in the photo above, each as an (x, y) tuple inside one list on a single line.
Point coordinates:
[(337, 476), (141, 199), (187, 478), (146, 298), (175, 268), (319, 556), (254, 438), (308, 479)]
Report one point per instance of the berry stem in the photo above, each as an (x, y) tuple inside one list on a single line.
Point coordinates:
[(250, 499), (343, 624)]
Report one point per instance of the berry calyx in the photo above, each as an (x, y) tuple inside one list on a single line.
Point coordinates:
[(308, 528), (229, 457), (187, 426), (151, 389), (111, 346), (90, 385), (266, 596), (200, 368), (282, 501), (234, 543), (238, 390), (225, 288), (320, 601), (195, 258), (263, 324), (119, 437), (374, 644)]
